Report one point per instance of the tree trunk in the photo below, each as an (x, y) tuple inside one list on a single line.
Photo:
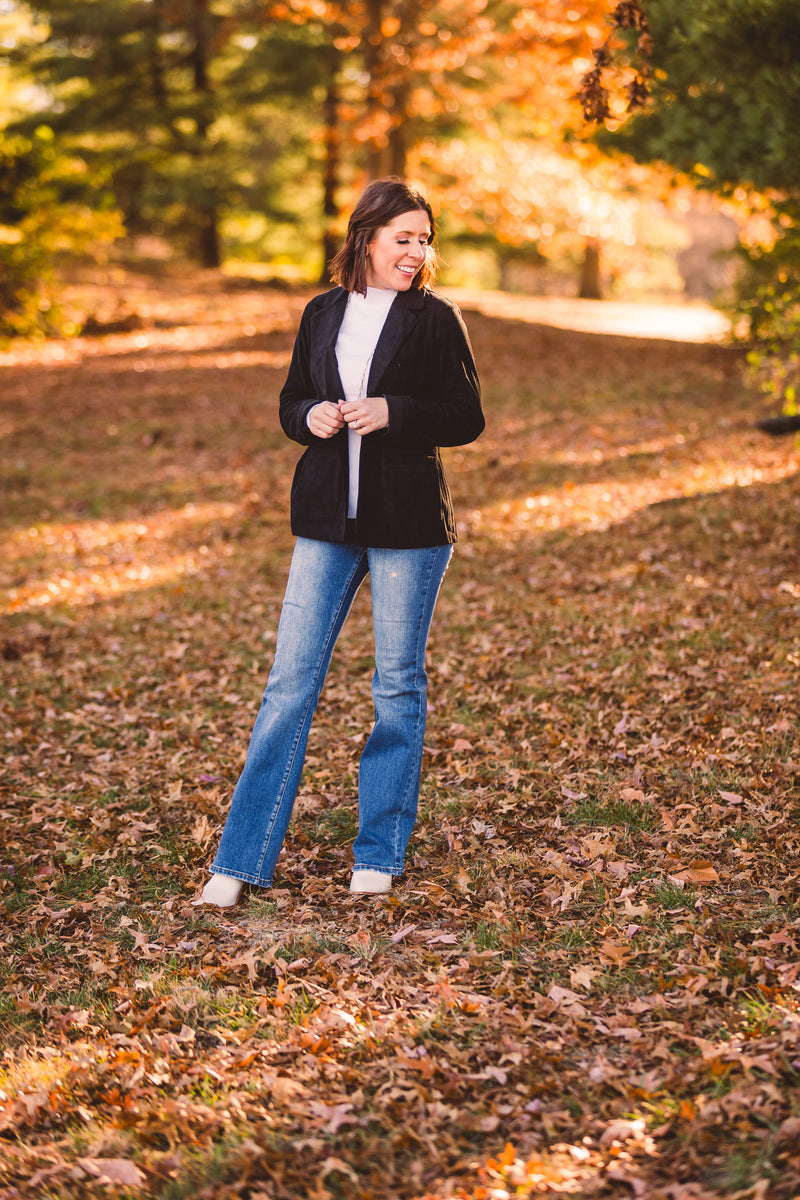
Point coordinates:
[(591, 287), (330, 177), (388, 94), (209, 245), (156, 27), (502, 271), (398, 136), (788, 423), (209, 242), (373, 61)]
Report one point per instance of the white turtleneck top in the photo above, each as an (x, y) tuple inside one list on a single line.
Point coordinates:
[(361, 327)]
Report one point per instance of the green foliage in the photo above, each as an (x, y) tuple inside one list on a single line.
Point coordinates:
[(46, 214), (724, 83), (768, 302), (187, 109)]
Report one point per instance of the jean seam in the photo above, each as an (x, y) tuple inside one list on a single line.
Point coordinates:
[(245, 876), (309, 708), (423, 608), (395, 872)]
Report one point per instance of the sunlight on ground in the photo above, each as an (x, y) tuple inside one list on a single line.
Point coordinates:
[(651, 448), (599, 505), (561, 1168), (152, 349), (99, 559), (90, 560), (33, 1075), (202, 359)]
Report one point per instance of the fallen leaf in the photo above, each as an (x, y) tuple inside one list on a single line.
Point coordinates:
[(119, 1171)]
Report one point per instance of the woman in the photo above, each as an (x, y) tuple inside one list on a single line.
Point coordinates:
[(382, 374)]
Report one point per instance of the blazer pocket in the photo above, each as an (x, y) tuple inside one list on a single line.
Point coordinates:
[(415, 490), (319, 485)]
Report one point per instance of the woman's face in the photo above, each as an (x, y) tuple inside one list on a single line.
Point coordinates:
[(398, 251)]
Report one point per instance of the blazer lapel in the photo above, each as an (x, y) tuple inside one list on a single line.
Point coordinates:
[(323, 334), (402, 318)]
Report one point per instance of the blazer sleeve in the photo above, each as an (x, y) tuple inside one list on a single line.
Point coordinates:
[(297, 396), (446, 407)]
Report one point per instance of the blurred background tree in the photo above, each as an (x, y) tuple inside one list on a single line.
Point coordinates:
[(524, 178), (241, 130), (720, 86), (182, 104), (51, 204), (51, 209)]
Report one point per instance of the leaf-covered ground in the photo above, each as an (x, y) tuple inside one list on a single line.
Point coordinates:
[(587, 982)]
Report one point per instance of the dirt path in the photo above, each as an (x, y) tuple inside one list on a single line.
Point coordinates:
[(672, 322)]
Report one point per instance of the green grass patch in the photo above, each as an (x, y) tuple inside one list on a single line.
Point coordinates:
[(629, 814), (337, 827)]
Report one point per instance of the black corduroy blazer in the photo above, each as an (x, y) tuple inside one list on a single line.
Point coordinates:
[(423, 365)]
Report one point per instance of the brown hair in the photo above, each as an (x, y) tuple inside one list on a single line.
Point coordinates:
[(379, 204)]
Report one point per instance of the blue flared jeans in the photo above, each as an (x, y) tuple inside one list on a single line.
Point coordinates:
[(323, 581)]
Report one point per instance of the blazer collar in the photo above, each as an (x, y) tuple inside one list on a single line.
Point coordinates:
[(401, 320)]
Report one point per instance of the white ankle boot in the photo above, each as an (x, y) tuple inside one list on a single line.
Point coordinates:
[(223, 891), (372, 882)]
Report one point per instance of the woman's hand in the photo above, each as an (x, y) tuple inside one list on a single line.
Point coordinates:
[(366, 415), (325, 419)]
